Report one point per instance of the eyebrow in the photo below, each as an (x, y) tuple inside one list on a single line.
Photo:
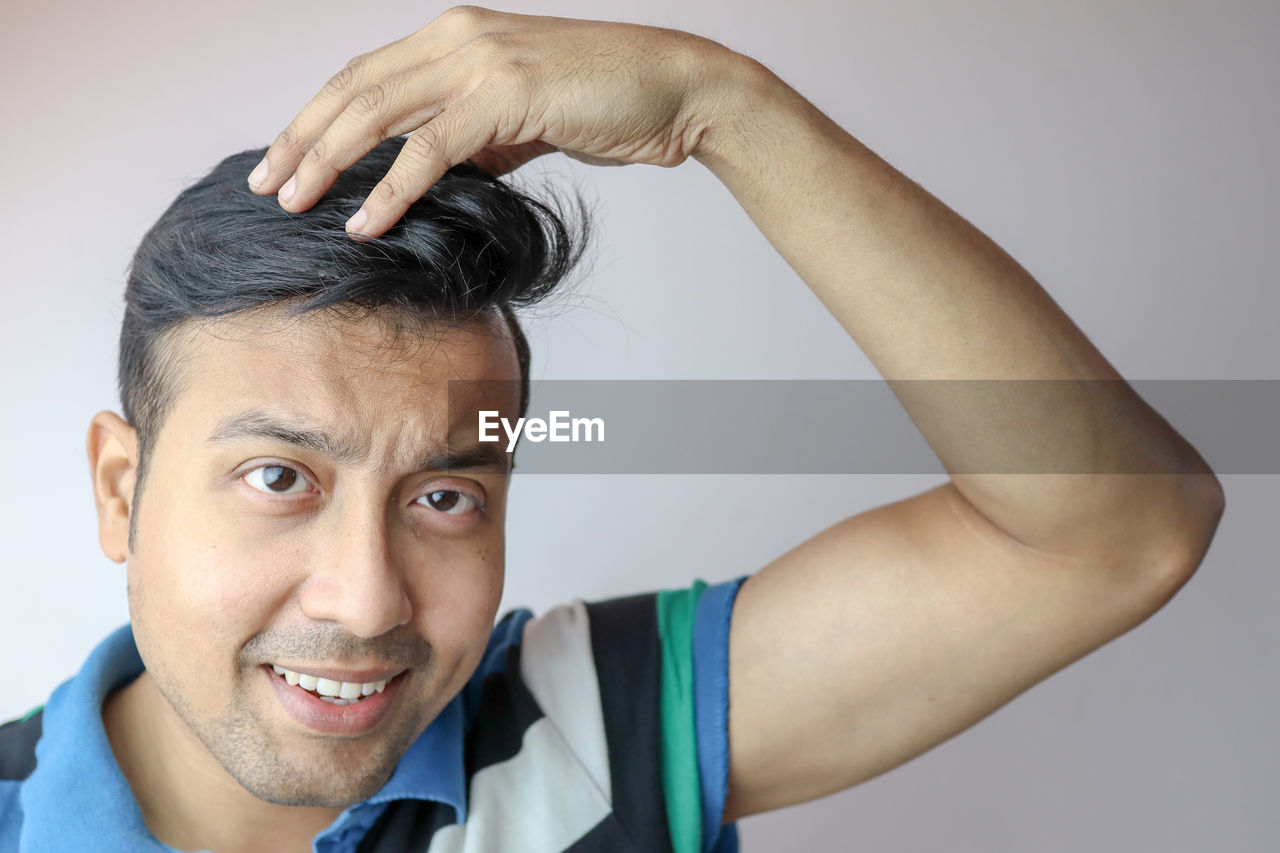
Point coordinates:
[(258, 424)]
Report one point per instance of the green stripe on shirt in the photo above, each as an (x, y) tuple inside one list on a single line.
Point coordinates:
[(680, 785)]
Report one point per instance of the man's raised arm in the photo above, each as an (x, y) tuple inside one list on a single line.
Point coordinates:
[(902, 626)]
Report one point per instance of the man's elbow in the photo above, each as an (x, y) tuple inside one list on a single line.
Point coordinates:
[(1184, 546)]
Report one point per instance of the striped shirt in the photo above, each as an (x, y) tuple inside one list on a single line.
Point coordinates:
[(593, 727)]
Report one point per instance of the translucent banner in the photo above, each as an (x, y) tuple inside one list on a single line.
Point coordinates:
[(862, 426)]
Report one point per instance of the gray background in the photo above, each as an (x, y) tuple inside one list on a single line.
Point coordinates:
[(1123, 152)]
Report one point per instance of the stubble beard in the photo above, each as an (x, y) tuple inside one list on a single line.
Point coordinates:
[(318, 772)]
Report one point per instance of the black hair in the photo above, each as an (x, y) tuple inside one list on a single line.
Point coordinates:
[(472, 246)]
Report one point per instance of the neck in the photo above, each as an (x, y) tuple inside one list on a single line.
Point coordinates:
[(187, 798)]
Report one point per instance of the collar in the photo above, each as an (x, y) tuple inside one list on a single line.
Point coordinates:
[(77, 794)]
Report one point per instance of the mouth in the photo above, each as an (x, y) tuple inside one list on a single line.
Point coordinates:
[(345, 703)]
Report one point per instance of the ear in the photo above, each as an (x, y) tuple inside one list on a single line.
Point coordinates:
[(113, 463)]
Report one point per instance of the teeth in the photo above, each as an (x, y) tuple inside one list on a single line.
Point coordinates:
[(334, 692)]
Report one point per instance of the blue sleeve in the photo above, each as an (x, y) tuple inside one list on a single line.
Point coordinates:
[(711, 710)]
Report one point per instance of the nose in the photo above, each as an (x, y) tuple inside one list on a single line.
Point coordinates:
[(358, 583)]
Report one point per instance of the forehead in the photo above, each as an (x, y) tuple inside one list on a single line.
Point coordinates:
[(371, 375)]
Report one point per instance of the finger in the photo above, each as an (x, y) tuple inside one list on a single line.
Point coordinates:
[(285, 152), (383, 110), (442, 35), (291, 145), (458, 132)]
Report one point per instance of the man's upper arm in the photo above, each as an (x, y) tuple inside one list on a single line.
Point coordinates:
[(900, 627)]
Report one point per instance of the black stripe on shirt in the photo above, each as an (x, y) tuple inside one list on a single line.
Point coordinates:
[(506, 711), (628, 660)]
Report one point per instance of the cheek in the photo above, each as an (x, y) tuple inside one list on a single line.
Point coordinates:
[(193, 581), (458, 601)]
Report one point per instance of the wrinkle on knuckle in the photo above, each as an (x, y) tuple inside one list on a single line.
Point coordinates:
[(320, 153), (289, 137), (424, 147), (370, 101), (339, 84), (390, 191)]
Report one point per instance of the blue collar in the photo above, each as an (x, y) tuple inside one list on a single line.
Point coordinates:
[(78, 795)]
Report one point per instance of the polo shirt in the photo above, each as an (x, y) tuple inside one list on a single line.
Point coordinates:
[(593, 727)]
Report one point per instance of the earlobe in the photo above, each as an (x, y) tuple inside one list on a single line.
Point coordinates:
[(112, 446)]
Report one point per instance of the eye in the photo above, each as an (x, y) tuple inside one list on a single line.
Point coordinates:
[(276, 480), (450, 501)]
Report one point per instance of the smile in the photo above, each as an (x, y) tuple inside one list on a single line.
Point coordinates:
[(346, 705), (333, 692)]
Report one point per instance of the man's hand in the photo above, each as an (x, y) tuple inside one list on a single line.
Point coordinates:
[(497, 89)]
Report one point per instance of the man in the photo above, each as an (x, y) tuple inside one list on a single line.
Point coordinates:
[(314, 536)]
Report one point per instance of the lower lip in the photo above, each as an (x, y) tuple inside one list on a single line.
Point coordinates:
[(321, 716)]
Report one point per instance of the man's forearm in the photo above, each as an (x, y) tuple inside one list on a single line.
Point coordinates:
[(927, 296)]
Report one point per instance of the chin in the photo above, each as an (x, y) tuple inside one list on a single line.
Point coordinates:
[(325, 793), (281, 780), (307, 773)]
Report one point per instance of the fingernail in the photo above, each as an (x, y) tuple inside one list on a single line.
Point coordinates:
[(286, 191), (259, 174), (356, 222)]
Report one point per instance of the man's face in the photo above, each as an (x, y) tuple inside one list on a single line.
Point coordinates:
[(297, 514)]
